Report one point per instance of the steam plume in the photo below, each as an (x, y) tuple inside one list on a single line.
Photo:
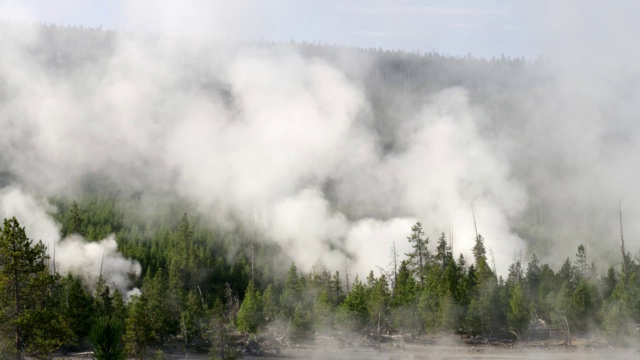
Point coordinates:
[(72, 254)]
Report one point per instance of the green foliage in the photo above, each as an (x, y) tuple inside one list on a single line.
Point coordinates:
[(28, 295), (269, 305), (518, 313), (583, 306), (106, 338), (420, 256), (193, 320), (301, 326), (293, 292), (353, 313), (428, 309), (618, 325), (250, 315), (220, 332), (102, 299), (188, 271), (485, 311), (323, 311), (158, 306), (77, 308), (480, 255), (139, 332)]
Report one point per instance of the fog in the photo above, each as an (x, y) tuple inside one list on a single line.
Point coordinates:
[(332, 166), (73, 254)]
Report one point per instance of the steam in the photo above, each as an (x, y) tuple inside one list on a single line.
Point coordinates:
[(73, 254), (249, 130), (263, 132)]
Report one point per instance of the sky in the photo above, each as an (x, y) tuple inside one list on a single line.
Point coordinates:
[(483, 28)]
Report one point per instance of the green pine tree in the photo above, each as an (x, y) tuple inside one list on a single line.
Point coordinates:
[(30, 313), (250, 315)]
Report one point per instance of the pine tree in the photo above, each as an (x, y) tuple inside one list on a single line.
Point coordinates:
[(567, 274), (270, 308), (323, 311), (185, 238), (518, 313), (443, 252), (119, 308), (609, 283), (480, 256), (30, 313), (102, 301), (337, 293), (139, 332), (74, 222), (405, 290), (106, 338), (419, 257), (581, 265), (583, 303), (192, 323), (220, 333), (77, 306), (532, 278), (293, 292), (353, 311), (250, 315), (155, 288)]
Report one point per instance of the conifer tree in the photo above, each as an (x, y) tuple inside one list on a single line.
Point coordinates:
[(30, 314), (270, 308), (518, 313), (443, 252), (139, 332), (77, 307), (250, 315), (419, 257), (75, 221), (480, 256)]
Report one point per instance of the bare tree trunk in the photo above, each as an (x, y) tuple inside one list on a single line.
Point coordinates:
[(379, 315), (625, 270), (567, 340), (395, 264), (16, 294), (475, 225)]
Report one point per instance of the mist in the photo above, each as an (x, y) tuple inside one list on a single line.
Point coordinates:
[(306, 149), (86, 261)]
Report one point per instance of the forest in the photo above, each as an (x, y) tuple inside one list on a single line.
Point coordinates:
[(164, 195), (196, 296)]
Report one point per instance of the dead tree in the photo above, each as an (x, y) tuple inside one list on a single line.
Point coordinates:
[(625, 260)]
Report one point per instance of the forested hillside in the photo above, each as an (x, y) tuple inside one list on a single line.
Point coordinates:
[(178, 194), (200, 286)]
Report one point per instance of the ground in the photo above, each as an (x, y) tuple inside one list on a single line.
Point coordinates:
[(334, 349)]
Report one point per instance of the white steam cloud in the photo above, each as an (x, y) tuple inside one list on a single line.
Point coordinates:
[(243, 130), (72, 254)]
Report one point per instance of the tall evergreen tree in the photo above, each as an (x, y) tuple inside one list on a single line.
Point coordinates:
[(250, 315), (443, 252), (581, 265), (29, 312), (419, 257), (74, 222), (518, 312), (480, 256)]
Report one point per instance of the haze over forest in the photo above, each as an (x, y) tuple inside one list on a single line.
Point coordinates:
[(366, 141), (321, 154)]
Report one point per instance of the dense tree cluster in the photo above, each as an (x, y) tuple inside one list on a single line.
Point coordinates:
[(195, 296)]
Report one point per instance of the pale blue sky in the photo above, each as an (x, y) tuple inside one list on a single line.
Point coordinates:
[(481, 27)]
